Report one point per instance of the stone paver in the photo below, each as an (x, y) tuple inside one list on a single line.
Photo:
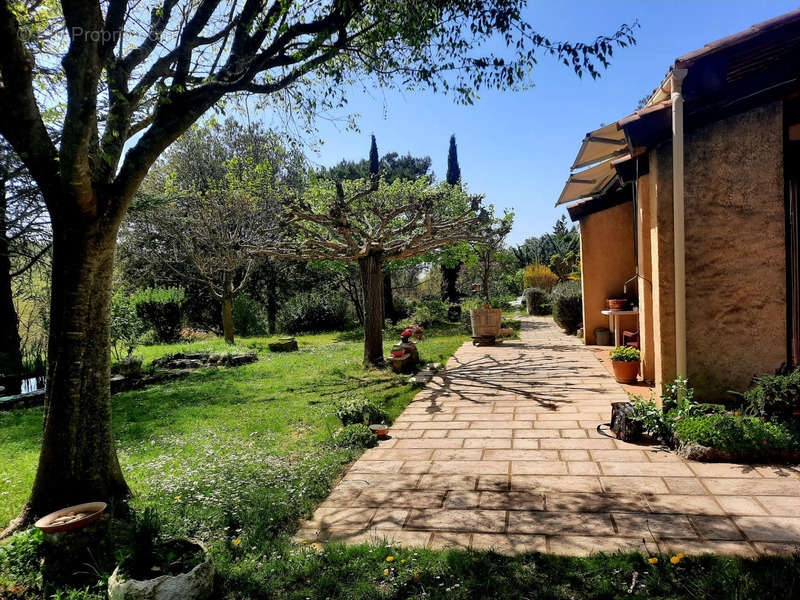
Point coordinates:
[(502, 451)]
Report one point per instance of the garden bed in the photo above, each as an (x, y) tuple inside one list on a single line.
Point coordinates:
[(713, 433)]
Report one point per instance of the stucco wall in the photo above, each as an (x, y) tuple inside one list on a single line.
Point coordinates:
[(735, 257), (735, 250), (607, 260)]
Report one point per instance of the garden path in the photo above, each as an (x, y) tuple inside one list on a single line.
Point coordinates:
[(502, 451)]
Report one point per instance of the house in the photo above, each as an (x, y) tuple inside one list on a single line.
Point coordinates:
[(689, 208)]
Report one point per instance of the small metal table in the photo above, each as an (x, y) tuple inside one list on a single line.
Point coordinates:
[(614, 322)]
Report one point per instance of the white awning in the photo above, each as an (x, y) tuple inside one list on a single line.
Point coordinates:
[(590, 182), (601, 144)]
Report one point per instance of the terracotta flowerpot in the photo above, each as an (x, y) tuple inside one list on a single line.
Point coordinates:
[(64, 519), (617, 303), (380, 430), (625, 371)]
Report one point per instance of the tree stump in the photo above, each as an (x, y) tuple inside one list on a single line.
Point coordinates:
[(284, 345), (71, 557)]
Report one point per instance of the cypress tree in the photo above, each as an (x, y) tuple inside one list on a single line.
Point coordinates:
[(453, 170), (374, 162), (450, 273)]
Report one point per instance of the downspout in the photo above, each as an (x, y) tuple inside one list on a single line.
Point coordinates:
[(678, 220)]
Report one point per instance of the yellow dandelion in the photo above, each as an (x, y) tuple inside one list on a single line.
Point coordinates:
[(386, 571), (237, 541), (177, 497), (474, 559), (314, 545), (402, 561), (653, 560), (389, 558), (674, 560), (679, 555)]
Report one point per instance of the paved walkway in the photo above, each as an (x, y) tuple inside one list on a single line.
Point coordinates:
[(502, 451)]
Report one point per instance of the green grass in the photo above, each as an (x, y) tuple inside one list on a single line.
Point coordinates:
[(233, 450), (237, 456)]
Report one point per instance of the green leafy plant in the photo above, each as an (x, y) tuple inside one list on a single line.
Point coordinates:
[(773, 396), (652, 419), (161, 309), (313, 311), (625, 354), (127, 327), (725, 431), (677, 393), (356, 435), (248, 317), (567, 305), (431, 312), (360, 410), (537, 301), (20, 558)]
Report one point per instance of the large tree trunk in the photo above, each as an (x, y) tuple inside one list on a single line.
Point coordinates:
[(372, 284), (449, 281), (388, 301), (10, 353), (227, 308), (78, 462)]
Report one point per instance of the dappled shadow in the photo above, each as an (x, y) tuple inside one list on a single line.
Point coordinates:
[(549, 373)]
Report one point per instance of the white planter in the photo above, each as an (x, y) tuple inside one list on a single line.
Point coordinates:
[(197, 584)]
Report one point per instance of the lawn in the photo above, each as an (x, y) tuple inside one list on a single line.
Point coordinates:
[(239, 451), (237, 456)]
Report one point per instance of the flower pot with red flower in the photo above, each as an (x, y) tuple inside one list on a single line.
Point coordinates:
[(626, 363), (406, 334)]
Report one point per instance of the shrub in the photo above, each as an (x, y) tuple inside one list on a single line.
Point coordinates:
[(356, 435), (537, 301), (403, 308), (21, 556), (539, 276), (625, 354), (360, 410), (127, 327), (248, 317), (773, 396), (431, 312), (725, 431), (161, 309), (651, 418), (313, 311), (567, 305)]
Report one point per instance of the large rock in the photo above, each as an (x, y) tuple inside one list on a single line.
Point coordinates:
[(284, 345)]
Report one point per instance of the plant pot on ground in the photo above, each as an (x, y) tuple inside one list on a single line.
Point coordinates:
[(155, 568), (177, 569), (625, 361)]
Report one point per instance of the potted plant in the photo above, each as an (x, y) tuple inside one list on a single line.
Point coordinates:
[(625, 361), (406, 335), (161, 569)]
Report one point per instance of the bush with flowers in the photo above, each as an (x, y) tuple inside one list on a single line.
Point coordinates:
[(706, 431)]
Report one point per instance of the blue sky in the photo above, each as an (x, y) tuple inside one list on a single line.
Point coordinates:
[(517, 147)]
